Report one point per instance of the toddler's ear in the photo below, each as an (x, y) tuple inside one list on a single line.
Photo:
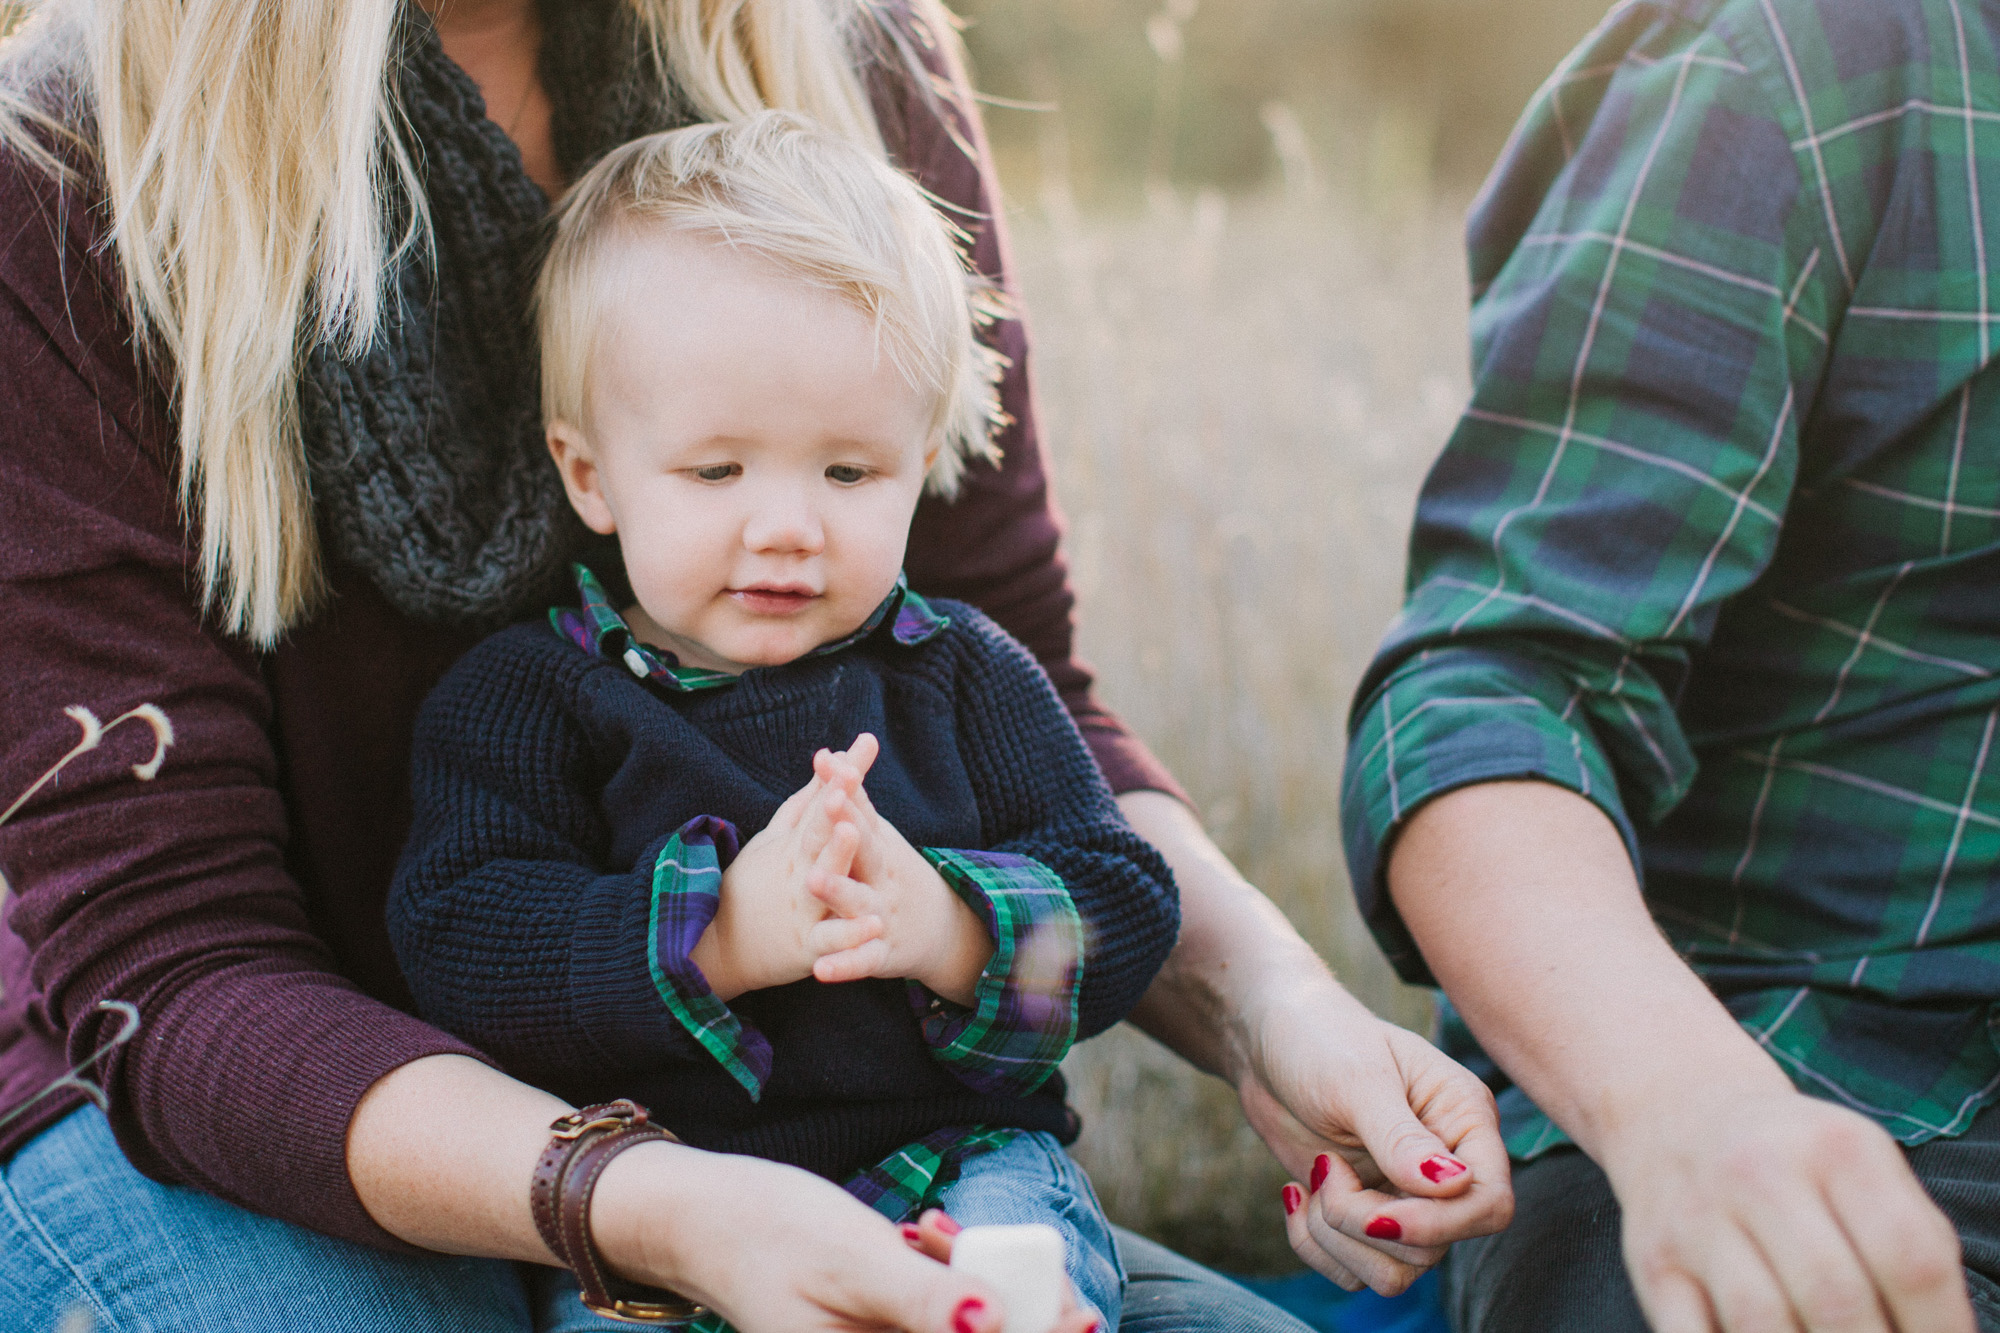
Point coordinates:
[(578, 466)]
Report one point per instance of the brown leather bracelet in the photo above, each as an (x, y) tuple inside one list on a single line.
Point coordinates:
[(583, 1145)]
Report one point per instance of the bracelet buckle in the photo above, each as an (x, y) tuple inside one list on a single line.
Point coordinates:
[(581, 1144), (620, 1114)]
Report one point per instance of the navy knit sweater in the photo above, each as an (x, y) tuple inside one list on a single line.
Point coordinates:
[(547, 780)]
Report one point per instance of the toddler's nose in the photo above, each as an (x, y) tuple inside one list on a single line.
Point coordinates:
[(785, 522)]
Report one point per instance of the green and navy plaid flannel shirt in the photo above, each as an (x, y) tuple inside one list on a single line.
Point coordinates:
[(1024, 1013), (1716, 543)]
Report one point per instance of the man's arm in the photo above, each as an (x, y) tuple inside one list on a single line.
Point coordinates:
[(1746, 1203)]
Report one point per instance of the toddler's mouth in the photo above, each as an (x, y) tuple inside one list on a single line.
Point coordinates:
[(783, 600)]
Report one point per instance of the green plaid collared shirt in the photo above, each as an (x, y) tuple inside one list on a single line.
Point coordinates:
[(1717, 541), (595, 626)]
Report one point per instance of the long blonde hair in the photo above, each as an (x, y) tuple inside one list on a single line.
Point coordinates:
[(246, 148)]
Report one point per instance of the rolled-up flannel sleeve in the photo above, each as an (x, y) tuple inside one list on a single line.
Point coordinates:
[(1051, 833), (1653, 280), (1023, 1015)]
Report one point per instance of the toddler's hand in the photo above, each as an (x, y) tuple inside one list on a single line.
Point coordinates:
[(892, 914), (768, 928)]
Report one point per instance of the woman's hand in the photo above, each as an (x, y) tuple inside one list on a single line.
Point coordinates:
[(442, 1149), (1321, 1079), (778, 1250), (933, 1234), (1764, 1208), (1394, 1147)]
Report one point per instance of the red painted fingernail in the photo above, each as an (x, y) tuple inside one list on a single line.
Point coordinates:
[(1094, 1326), (1321, 1165), (1385, 1228), (911, 1233), (1294, 1196), (962, 1317), (1442, 1167), (946, 1225)]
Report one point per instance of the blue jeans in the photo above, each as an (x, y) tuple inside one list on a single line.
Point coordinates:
[(80, 1229)]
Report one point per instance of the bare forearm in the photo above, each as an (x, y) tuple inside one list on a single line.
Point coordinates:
[(441, 1152), (1234, 943), (1525, 904)]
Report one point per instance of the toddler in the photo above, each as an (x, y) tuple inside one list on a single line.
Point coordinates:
[(751, 833)]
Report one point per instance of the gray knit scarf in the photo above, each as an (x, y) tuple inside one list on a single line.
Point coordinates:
[(428, 468)]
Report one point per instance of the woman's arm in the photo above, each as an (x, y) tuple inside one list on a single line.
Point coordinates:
[(441, 1152), (1745, 1202), (1244, 997), (171, 895)]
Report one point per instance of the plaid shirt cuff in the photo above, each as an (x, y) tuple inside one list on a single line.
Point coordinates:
[(687, 886), (1448, 719), (1024, 1012), (911, 1178)]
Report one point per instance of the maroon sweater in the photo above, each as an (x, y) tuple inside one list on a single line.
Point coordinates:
[(236, 900)]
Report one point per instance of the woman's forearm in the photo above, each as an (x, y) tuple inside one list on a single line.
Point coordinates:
[(1234, 943), (441, 1152), (1525, 904)]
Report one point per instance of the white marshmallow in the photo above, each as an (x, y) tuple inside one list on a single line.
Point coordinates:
[(1024, 1264)]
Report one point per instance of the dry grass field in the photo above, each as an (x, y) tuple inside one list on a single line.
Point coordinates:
[(1237, 233), (1241, 395)]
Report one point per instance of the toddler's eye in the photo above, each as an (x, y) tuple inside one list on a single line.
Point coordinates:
[(715, 472), (846, 473)]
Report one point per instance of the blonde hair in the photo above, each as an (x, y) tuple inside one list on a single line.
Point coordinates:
[(246, 148), (816, 208)]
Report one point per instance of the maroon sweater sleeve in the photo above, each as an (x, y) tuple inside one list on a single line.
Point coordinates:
[(170, 894), (999, 544)]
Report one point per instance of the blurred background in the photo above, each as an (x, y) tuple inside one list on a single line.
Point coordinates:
[(1238, 237)]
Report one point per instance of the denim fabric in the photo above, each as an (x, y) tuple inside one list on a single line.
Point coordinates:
[(80, 1229), (1033, 1180), (1559, 1268)]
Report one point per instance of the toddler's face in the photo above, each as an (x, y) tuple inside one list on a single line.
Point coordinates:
[(758, 460)]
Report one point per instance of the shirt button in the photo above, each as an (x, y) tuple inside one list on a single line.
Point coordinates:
[(637, 663)]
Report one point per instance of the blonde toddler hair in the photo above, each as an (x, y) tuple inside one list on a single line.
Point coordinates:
[(813, 206)]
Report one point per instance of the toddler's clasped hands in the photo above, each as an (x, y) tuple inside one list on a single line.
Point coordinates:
[(830, 889)]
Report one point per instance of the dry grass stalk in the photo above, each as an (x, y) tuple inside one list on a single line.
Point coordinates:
[(1241, 397)]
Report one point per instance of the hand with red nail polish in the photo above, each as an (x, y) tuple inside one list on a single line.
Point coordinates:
[(1351, 1105), (822, 1261), (937, 1229), (1385, 1187)]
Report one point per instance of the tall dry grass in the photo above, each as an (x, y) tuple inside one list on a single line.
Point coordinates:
[(1241, 396), (1242, 393)]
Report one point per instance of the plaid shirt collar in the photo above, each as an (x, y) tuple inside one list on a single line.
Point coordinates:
[(596, 627)]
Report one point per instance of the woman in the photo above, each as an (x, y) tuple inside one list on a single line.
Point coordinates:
[(283, 507)]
